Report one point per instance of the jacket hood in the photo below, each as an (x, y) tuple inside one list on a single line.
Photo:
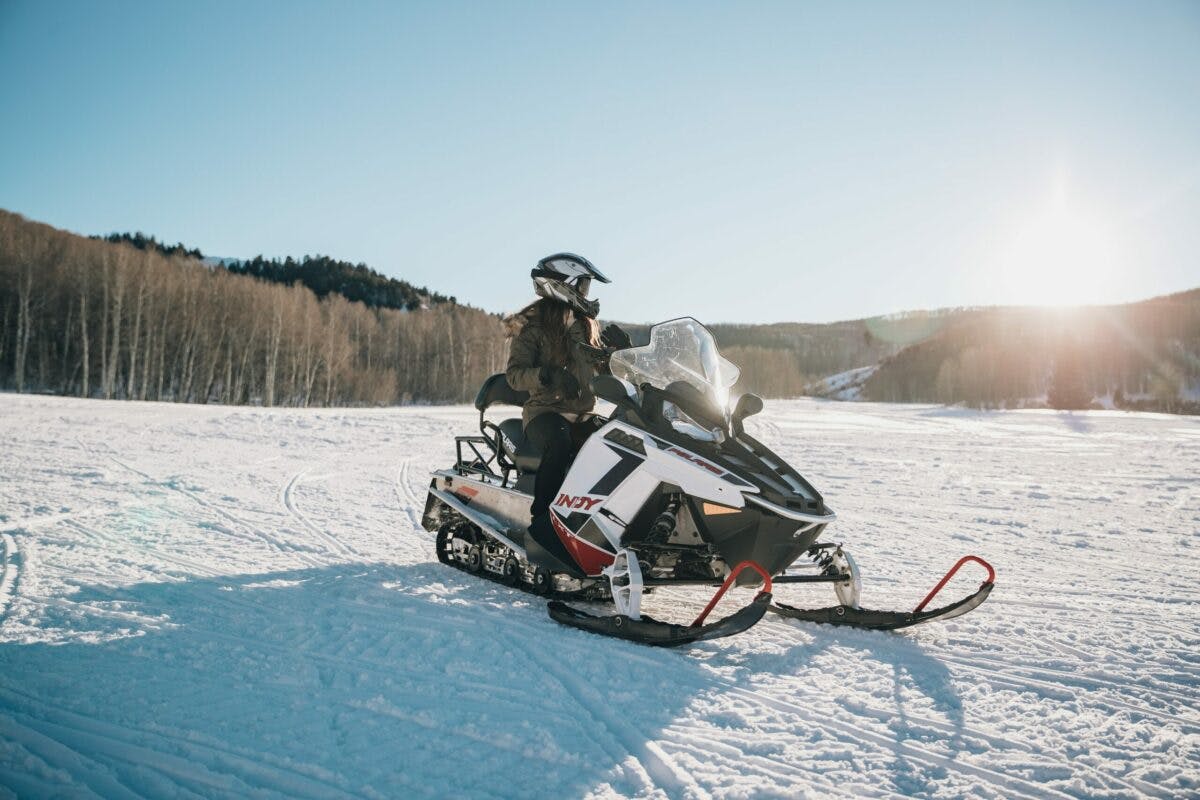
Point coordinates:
[(514, 322)]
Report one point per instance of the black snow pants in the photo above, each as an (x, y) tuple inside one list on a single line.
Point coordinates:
[(558, 440)]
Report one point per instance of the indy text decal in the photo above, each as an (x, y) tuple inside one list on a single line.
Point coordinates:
[(567, 501)]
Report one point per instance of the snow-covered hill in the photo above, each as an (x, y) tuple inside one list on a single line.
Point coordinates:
[(846, 385), (241, 603)]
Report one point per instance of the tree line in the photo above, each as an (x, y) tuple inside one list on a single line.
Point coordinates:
[(322, 274), (94, 318), (355, 282), (143, 242), (126, 316), (129, 317), (1141, 355)]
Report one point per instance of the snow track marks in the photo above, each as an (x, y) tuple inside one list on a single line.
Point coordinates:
[(243, 603), (287, 496), (8, 577)]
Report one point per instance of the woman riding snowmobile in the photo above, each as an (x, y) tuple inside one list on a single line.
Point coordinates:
[(671, 490), (556, 351)]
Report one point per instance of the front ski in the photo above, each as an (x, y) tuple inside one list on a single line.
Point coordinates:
[(647, 630), (876, 620)]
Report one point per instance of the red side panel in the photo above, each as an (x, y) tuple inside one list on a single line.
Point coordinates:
[(591, 559)]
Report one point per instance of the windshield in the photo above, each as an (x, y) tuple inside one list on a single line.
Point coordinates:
[(679, 350)]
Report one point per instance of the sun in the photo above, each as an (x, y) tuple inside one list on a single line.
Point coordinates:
[(1059, 256)]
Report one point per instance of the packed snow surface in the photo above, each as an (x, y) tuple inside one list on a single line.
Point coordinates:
[(242, 603)]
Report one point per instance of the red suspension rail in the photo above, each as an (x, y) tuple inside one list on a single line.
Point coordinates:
[(716, 598), (991, 578)]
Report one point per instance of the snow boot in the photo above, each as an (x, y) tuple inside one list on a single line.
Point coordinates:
[(545, 549)]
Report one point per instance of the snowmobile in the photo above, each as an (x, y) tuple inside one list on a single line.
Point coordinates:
[(668, 490)]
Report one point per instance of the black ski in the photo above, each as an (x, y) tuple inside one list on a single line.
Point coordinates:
[(871, 619), (648, 630)]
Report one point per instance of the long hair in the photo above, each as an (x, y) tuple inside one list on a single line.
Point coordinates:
[(555, 318)]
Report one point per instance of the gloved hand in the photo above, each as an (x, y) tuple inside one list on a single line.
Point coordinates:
[(615, 339), (560, 379)]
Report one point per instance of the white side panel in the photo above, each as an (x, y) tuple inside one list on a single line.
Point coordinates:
[(693, 474), (695, 480), (628, 500), (590, 465)]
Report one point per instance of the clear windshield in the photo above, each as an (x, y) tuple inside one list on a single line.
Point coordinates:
[(679, 350)]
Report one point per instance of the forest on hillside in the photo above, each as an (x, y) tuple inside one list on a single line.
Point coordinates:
[(782, 359), (126, 316), (129, 317), (1143, 355), (95, 318), (355, 282), (322, 274), (141, 241)]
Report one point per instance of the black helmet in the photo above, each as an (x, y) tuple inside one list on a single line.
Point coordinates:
[(567, 277)]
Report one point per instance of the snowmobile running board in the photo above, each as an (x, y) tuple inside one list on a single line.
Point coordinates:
[(838, 577), (871, 619), (648, 630)]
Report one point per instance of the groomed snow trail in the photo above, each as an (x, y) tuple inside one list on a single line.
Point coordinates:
[(229, 602)]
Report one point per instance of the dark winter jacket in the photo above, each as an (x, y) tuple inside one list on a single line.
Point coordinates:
[(525, 361)]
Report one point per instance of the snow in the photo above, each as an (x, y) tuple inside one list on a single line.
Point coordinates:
[(237, 602), (846, 385)]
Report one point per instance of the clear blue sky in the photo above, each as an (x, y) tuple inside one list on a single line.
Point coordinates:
[(734, 161)]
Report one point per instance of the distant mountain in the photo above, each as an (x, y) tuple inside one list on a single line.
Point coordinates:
[(1143, 355)]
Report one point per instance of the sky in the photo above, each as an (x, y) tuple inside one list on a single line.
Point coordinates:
[(736, 162)]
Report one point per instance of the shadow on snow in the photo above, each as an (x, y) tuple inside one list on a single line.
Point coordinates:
[(366, 680), (910, 668), (355, 679)]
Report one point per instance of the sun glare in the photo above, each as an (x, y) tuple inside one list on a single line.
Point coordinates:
[(1060, 256)]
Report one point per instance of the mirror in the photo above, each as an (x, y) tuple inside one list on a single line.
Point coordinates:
[(748, 405)]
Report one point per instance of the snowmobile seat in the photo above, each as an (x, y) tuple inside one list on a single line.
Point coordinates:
[(509, 435), (518, 449)]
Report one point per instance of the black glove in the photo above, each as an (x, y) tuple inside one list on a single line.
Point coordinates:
[(615, 339), (561, 380)]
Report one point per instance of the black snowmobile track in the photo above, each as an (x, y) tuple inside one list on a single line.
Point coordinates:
[(599, 591), (871, 619)]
